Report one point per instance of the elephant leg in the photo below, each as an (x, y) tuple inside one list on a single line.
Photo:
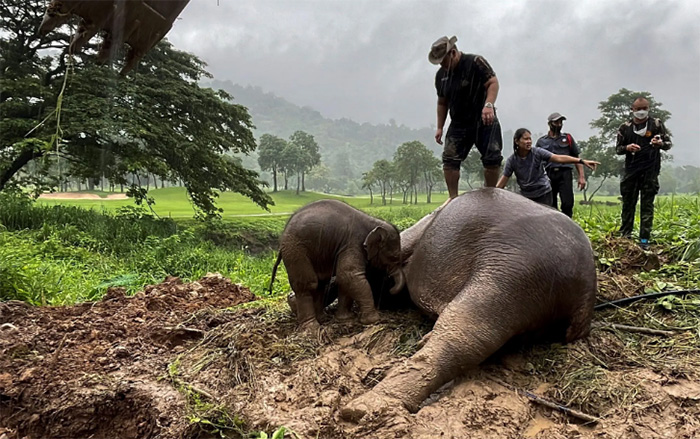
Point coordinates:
[(83, 35), (304, 283), (353, 285), (321, 301), (464, 335), (344, 312)]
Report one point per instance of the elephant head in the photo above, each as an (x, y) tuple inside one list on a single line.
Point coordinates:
[(383, 247), (412, 236)]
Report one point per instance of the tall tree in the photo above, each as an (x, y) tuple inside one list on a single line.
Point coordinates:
[(383, 172), (431, 173), (368, 182), (293, 162), (270, 155), (312, 155), (409, 162), (158, 121)]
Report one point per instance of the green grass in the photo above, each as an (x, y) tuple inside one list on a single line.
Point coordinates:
[(65, 254), (173, 202), (57, 252)]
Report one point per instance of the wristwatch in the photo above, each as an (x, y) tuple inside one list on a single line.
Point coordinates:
[(488, 105), (581, 161)]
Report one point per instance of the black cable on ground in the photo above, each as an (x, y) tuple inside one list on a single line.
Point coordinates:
[(628, 300)]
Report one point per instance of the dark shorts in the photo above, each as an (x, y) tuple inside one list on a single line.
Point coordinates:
[(459, 142)]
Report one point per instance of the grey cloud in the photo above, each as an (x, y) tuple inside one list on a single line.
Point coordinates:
[(368, 60)]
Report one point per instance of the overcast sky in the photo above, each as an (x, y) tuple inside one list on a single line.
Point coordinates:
[(367, 60)]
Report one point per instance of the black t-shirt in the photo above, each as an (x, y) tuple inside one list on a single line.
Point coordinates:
[(464, 89), (648, 157)]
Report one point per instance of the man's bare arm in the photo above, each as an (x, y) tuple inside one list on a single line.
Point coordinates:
[(442, 107)]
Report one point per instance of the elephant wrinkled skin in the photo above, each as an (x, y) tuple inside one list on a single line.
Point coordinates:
[(490, 265), (138, 23), (326, 239)]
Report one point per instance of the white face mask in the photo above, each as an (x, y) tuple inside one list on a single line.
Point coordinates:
[(642, 131), (641, 114)]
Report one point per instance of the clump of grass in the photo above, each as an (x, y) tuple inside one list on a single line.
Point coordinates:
[(206, 417), (579, 378), (607, 370), (250, 338), (400, 334), (59, 255)]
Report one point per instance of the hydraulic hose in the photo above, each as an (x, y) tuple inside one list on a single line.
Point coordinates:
[(628, 300)]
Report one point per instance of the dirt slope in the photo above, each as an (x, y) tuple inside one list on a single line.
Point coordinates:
[(175, 361)]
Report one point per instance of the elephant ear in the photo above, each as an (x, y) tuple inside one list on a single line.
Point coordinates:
[(375, 241)]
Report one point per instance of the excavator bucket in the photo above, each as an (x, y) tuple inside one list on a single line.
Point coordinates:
[(138, 23)]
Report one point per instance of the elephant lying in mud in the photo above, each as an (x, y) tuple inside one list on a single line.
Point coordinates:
[(329, 238), (490, 265)]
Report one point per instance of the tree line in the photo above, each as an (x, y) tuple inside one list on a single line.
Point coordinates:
[(414, 169), (62, 118), (294, 157)]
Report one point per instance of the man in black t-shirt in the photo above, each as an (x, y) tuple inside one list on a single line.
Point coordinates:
[(640, 140), (467, 87)]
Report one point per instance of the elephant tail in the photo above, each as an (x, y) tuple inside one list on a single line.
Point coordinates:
[(274, 269)]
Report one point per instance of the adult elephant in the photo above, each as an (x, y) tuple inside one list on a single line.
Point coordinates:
[(490, 265), (138, 23), (329, 239)]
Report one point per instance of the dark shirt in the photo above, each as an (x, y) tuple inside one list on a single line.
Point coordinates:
[(529, 171), (464, 89), (559, 145), (648, 157)]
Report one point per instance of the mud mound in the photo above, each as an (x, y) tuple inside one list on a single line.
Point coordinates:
[(170, 363), (92, 370), (258, 367)]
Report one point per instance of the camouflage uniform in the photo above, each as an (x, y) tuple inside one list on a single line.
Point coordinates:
[(641, 175)]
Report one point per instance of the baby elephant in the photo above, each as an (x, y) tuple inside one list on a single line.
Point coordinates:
[(329, 239)]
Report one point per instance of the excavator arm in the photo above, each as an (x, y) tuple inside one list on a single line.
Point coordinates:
[(138, 23)]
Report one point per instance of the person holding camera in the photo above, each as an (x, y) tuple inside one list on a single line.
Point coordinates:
[(640, 139)]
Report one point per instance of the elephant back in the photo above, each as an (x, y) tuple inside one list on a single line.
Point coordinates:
[(493, 234)]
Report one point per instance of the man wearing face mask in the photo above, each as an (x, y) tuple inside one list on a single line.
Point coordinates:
[(558, 142), (467, 88), (640, 140)]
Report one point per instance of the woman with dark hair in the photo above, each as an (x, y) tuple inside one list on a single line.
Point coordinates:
[(527, 162)]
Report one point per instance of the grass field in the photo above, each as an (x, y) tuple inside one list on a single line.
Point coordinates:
[(173, 202), (66, 251)]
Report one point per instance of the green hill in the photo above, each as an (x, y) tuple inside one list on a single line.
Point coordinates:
[(348, 148)]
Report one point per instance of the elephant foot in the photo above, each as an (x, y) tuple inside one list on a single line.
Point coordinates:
[(343, 316), (369, 318), (372, 403), (310, 328)]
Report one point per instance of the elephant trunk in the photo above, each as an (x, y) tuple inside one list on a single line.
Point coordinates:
[(399, 281)]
